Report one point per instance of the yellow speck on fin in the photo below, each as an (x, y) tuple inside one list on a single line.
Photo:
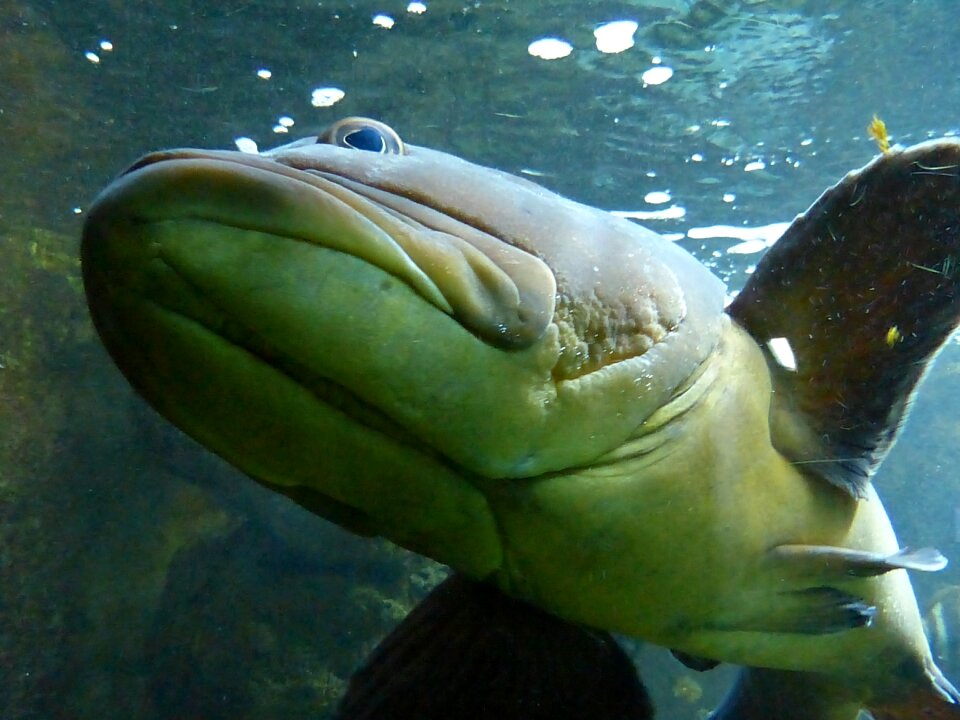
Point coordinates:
[(893, 336), (877, 129)]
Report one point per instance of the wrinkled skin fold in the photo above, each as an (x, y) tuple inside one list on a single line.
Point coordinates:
[(532, 391)]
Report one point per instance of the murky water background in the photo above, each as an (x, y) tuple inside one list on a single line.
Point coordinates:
[(142, 578)]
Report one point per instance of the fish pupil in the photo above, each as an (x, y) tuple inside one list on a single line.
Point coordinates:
[(368, 139)]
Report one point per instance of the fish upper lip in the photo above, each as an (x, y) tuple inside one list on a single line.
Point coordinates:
[(199, 307), (498, 291)]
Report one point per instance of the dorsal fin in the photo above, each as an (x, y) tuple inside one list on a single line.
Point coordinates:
[(864, 288)]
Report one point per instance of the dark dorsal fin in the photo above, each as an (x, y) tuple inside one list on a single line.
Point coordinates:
[(864, 289)]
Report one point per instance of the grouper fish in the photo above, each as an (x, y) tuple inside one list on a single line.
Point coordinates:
[(555, 403)]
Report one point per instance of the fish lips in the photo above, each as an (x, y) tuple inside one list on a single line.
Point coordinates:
[(236, 274), (211, 275)]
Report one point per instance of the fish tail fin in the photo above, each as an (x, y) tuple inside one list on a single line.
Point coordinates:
[(469, 651), (937, 699)]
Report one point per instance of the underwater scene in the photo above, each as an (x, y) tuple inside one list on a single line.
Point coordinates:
[(143, 576)]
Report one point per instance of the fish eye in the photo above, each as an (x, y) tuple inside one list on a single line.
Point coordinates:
[(363, 134)]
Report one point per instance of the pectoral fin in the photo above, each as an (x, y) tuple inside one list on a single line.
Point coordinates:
[(815, 606), (832, 564), (809, 611), (864, 288)]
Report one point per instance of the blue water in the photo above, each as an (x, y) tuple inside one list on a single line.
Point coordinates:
[(142, 578)]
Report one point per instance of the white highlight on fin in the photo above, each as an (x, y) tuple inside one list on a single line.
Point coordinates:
[(782, 353)]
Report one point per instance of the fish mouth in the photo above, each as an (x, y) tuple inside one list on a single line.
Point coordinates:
[(248, 297), (162, 239), (496, 290), (205, 255), (280, 352)]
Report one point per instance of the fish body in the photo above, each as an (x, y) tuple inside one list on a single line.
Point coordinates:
[(552, 400)]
